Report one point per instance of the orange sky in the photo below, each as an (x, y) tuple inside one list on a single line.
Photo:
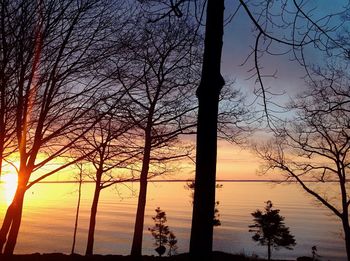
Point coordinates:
[(236, 163), (233, 163)]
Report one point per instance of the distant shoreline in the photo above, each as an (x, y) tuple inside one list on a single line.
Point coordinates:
[(184, 180)]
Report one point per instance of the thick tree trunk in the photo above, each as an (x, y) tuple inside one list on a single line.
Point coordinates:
[(90, 241), (345, 208), (208, 96), (347, 238), (12, 222), (6, 224), (136, 248)]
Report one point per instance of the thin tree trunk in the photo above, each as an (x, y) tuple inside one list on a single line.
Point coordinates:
[(77, 214), (269, 250), (160, 237), (136, 248), (208, 96), (90, 242)]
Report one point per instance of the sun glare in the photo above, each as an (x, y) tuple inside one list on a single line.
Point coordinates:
[(10, 184)]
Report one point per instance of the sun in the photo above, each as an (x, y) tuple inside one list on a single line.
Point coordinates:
[(10, 185)]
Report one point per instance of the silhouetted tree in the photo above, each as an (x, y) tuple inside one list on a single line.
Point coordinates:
[(208, 94), (295, 31), (172, 241), (160, 231), (109, 140), (270, 229), (314, 253), (80, 180), (7, 77), (159, 72), (216, 218), (314, 146), (57, 45)]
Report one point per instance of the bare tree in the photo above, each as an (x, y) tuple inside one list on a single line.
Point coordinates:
[(159, 73), (7, 77), (313, 148), (112, 154), (208, 94), (57, 46), (292, 33), (76, 222)]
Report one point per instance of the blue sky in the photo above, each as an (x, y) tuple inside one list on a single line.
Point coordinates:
[(239, 38)]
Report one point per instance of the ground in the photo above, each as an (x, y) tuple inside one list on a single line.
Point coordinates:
[(217, 256)]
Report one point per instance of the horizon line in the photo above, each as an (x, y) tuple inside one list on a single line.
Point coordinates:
[(177, 180)]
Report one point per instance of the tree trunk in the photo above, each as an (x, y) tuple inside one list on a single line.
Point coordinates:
[(346, 228), (347, 240), (345, 215), (12, 222), (77, 216), (6, 224), (136, 248), (208, 96), (269, 250), (90, 241)]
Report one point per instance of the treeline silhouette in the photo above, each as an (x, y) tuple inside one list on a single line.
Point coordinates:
[(113, 88)]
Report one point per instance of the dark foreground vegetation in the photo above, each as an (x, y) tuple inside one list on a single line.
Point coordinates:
[(64, 257)]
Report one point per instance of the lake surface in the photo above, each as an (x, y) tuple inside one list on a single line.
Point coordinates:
[(49, 216)]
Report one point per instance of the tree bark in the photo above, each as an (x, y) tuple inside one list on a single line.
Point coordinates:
[(90, 241), (344, 200), (136, 248), (345, 221), (208, 92), (12, 221), (6, 224), (345, 218)]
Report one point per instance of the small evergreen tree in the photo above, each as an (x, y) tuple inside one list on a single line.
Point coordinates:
[(160, 231), (270, 229), (172, 241), (216, 219)]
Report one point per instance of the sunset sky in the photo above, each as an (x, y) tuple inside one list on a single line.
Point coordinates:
[(236, 162), (239, 162)]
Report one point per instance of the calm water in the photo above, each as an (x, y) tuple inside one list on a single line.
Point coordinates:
[(49, 215)]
